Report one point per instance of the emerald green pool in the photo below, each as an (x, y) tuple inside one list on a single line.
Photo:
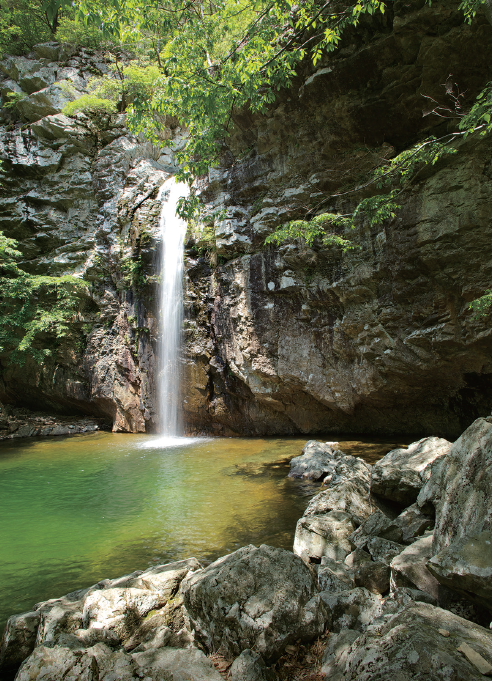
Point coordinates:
[(78, 509)]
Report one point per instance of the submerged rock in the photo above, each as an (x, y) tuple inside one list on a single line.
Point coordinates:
[(259, 598)]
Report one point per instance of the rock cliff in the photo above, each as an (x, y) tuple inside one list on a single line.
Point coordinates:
[(297, 339), (278, 340), (81, 199)]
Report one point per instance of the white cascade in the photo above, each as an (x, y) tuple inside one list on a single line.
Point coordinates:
[(173, 231)]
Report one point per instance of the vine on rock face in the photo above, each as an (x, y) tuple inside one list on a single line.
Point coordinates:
[(35, 311)]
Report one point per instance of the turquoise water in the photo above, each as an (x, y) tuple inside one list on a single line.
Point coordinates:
[(79, 509)]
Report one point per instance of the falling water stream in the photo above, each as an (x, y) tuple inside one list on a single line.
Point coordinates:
[(173, 231)]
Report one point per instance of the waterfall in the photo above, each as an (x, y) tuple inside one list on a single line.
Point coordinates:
[(173, 231)]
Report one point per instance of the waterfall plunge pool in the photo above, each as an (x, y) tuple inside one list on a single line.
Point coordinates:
[(75, 510)]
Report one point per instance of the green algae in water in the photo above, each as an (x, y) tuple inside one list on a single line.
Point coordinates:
[(80, 509)]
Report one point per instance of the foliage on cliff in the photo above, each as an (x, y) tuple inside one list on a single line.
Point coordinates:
[(35, 311)]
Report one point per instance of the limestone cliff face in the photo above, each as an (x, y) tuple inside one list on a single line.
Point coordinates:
[(285, 340), (81, 200), (379, 340)]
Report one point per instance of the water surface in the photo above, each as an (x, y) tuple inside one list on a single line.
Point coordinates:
[(79, 509)]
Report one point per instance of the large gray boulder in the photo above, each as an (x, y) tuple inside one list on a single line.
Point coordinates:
[(347, 479), (324, 535), (99, 663), (337, 649), (420, 643), (176, 664), (109, 613), (466, 566), (335, 576), (260, 598), (464, 507), (400, 474), (320, 460), (18, 640), (377, 525), (316, 461), (350, 496), (374, 576), (59, 663), (383, 550), (249, 666), (409, 568), (351, 609)]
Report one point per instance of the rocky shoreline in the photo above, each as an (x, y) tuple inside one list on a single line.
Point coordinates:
[(390, 576), (16, 423)]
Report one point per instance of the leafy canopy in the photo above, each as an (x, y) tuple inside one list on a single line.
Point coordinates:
[(214, 58)]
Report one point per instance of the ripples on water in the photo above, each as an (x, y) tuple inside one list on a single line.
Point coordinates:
[(79, 509)]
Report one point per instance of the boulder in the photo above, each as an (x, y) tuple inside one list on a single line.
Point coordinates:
[(413, 522), (348, 483), (431, 491), (337, 649), (18, 640), (166, 579), (59, 663), (377, 525), (172, 663), (63, 617), (120, 610), (374, 576), (463, 506), (466, 566), (350, 496), (356, 558), (383, 550), (100, 663), (400, 474), (324, 535), (421, 642), (335, 576), (351, 609), (409, 568), (315, 462), (249, 666), (258, 598), (105, 613)]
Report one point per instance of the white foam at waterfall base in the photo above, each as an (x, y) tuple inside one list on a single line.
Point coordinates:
[(166, 442), (173, 231)]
